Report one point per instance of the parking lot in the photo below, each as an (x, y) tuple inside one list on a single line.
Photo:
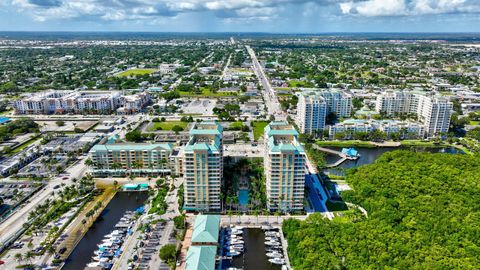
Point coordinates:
[(147, 248), (13, 193), (199, 106), (44, 166)]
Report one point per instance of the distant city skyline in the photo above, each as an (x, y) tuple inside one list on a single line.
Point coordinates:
[(272, 16)]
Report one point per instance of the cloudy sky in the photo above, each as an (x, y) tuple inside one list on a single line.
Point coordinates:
[(285, 16)]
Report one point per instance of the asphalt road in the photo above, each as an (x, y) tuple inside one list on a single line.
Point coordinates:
[(271, 101)]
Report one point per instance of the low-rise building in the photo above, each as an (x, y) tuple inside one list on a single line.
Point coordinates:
[(203, 250), (134, 103), (95, 102), (120, 159), (404, 129)]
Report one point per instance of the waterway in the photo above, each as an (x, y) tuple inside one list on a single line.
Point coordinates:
[(369, 155), (254, 257), (105, 223)]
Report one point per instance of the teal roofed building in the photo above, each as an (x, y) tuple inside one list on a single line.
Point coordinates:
[(284, 166), (206, 230), (119, 159), (201, 258), (203, 167)]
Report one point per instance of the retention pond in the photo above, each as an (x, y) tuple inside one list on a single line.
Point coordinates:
[(369, 155)]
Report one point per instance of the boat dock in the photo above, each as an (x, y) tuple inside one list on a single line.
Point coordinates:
[(345, 154)]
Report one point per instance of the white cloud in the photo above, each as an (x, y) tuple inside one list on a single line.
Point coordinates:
[(115, 10), (371, 8)]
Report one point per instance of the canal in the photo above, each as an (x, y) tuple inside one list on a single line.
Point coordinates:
[(121, 202), (369, 155), (254, 256)]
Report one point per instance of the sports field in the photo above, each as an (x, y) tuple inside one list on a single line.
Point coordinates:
[(136, 72)]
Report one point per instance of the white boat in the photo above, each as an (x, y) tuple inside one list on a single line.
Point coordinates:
[(276, 234), (237, 247), (234, 236), (228, 243), (236, 232), (284, 267), (274, 255), (277, 261), (101, 259), (94, 264), (233, 253), (271, 238), (272, 243), (238, 227), (105, 244)]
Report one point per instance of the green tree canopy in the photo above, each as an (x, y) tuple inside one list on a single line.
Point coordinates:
[(423, 213)]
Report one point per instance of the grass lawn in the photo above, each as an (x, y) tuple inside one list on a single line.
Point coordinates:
[(137, 71), (421, 143), (258, 129), (168, 125), (474, 123), (24, 145), (297, 83), (345, 144), (207, 93)]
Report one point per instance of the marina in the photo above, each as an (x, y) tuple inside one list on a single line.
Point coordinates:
[(104, 239), (251, 248)]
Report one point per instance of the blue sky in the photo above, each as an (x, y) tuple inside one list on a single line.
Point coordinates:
[(283, 16)]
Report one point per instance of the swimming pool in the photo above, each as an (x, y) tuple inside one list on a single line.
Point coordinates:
[(243, 197)]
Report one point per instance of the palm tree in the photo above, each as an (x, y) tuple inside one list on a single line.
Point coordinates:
[(89, 162), (18, 257), (116, 166), (29, 256)]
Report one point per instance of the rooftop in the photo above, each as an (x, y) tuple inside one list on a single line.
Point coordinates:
[(282, 137), (130, 147), (206, 228), (201, 258)]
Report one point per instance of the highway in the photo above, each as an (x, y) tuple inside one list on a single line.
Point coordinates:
[(271, 101)]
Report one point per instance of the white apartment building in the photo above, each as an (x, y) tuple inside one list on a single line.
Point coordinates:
[(349, 127), (120, 159), (134, 103), (406, 129), (284, 166), (433, 111), (338, 102), (98, 102), (314, 106), (47, 102), (311, 112), (400, 102), (203, 167)]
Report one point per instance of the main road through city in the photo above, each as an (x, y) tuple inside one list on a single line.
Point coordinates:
[(271, 101)]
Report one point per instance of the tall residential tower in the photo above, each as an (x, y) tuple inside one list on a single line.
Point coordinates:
[(284, 168), (203, 167), (314, 107)]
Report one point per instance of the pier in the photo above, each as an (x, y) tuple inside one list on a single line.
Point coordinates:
[(343, 156)]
